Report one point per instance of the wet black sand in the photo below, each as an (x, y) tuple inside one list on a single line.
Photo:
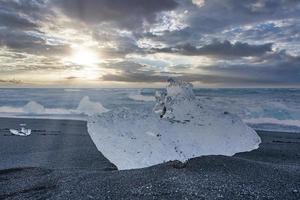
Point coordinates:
[(59, 161)]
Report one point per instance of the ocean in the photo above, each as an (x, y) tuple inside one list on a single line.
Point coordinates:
[(262, 109)]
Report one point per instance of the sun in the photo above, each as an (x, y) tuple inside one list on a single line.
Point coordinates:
[(84, 56), (88, 60)]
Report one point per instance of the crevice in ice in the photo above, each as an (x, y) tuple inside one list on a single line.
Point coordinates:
[(177, 99)]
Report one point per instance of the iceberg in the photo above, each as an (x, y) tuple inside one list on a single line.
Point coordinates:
[(179, 127), (22, 132)]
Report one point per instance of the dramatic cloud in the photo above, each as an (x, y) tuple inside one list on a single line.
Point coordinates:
[(277, 68), (210, 42), (219, 49), (131, 13), (152, 77), (11, 19), (134, 72), (23, 14), (30, 43), (216, 15)]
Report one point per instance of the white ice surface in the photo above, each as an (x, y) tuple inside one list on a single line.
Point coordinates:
[(23, 132), (140, 138)]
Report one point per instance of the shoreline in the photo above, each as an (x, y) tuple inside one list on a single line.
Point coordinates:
[(60, 161), (84, 119), (52, 143), (45, 118)]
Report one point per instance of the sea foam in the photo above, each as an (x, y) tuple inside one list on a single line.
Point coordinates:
[(85, 107), (140, 97)]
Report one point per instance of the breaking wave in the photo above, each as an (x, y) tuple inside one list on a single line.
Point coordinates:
[(260, 108), (86, 107), (259, 112), (140, 97)]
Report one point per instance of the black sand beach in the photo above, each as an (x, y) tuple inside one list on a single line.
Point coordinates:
[(60, 161)]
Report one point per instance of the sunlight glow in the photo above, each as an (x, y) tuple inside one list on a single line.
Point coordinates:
[(84, 57), (88, 60)]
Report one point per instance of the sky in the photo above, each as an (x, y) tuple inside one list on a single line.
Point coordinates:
[(141, 43)]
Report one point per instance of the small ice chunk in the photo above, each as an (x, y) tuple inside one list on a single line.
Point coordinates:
[(86, 106), (22, 132)]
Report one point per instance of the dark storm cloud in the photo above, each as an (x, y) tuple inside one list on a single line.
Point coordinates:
[(30, 43), (133, 72), (219, 49), (216, 16), (22, 14), (277, 68), (151, 77), (140, 77), (251, 22), (24, 40), (12, 19), (28, 6), (213, 79), (20, 22), (129, 13)]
